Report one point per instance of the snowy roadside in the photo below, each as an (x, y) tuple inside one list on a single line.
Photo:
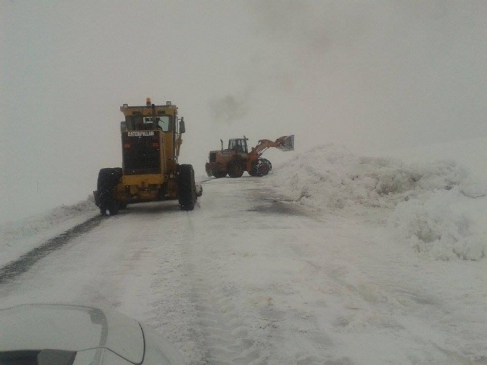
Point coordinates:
[(21, 236)]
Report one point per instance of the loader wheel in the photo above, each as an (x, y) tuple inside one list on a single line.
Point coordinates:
[(186, 187), (266, 161), (254, 170), (219, 174), (236, 168), (262, 167)]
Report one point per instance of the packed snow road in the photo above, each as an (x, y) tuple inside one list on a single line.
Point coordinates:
[(249, 278)]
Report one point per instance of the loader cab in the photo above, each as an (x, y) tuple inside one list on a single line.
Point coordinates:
[(238, 144)]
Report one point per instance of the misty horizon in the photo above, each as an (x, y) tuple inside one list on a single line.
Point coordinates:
[(373, 76)]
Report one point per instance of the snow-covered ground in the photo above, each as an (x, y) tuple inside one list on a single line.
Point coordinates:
[(333, 259)]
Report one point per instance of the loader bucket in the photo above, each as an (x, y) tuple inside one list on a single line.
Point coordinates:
[(286, 143)]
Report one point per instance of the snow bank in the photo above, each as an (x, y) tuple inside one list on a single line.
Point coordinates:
[(39, 223), (437, 227), (429, 203), (19, 237)]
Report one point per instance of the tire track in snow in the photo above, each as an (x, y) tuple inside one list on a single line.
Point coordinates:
[(239, 323), (218, 329), (223, 333), (25, 262)]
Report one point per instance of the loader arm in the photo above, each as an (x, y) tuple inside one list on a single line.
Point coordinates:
[(284, 143)]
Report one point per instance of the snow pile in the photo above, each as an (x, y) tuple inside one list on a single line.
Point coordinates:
[(438, 227), (331, 177), (421, 197)]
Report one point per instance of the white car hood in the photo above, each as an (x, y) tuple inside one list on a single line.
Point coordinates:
[(71, 328)]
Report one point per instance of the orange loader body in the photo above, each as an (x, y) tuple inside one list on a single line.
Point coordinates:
[(237, 159)]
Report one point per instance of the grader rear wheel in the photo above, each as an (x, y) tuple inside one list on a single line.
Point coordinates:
[(186, 187), (108, 179)]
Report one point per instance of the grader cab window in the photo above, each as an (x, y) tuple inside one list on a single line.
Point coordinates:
[(133, 123), (138, 122), (163, 122)]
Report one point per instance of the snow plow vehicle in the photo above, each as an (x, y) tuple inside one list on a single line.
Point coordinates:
[(151, 140), (236, 159)]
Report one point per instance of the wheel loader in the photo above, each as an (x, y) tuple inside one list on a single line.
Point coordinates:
[(151, 137), (237, 159)]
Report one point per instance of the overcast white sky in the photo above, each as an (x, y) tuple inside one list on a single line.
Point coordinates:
[(368, 74)]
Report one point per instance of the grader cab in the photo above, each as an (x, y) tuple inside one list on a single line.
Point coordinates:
[(151, 137)]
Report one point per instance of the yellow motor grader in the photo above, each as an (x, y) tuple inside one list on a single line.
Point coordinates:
[(237, 159), (151, 139)]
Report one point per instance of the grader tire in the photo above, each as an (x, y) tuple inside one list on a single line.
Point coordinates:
[(108, 179), (186, 187)]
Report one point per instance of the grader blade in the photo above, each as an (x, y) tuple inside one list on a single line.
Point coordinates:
[(286, 143)]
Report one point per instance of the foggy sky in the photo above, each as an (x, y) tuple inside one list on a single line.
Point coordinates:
[(370, 75)]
